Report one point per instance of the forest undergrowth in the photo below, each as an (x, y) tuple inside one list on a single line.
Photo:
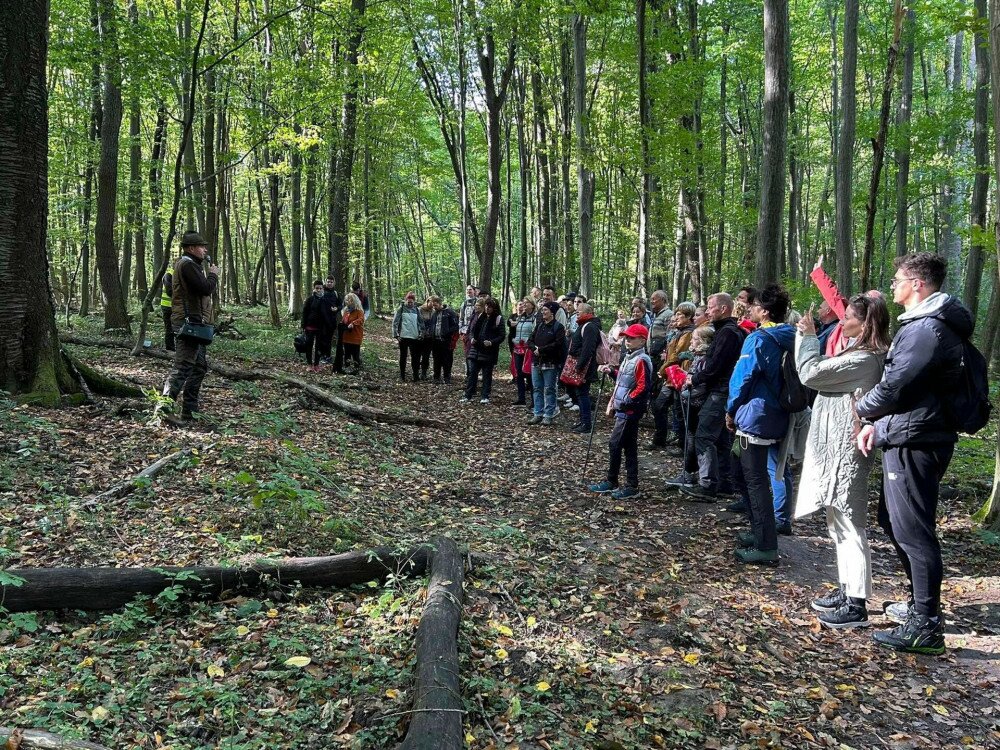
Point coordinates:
[(588, 624)]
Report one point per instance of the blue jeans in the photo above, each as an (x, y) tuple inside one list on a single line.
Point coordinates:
[(784, 495), (583, 400), (544, 384)]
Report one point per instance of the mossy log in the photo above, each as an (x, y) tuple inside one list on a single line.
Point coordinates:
[(35, 739), (437, 714), (94, 589)]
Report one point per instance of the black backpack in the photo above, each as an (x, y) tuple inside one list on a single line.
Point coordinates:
[(969, 401), (793, 396)]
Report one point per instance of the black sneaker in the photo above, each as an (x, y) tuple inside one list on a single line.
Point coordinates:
[(675, 452), (918, 635), (738, 507), (725, 490), (582, 429), (898, 612), (699, 494), (682, 480), (785, 529), (847, 616), (830, 602)]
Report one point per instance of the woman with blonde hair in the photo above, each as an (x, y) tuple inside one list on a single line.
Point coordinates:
[(352, 333)]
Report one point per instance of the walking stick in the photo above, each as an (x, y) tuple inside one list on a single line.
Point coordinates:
[(593, 424)]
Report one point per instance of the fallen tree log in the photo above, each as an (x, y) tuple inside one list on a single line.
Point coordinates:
[(110, 588), (35, 739), (123, 489), (436, 722), (358, 411)]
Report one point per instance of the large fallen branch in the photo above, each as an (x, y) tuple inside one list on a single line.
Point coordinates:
[(436, 722), (123, 489), (35, 739), (111, 588), (358, 411)]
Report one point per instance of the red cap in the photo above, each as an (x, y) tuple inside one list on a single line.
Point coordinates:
[(410, 295), (636, 331)]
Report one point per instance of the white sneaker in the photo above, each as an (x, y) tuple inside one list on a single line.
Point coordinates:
[(556, 413), (463, 400), (574, 407), (484, 400)]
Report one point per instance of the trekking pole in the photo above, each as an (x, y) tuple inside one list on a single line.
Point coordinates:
[(593, 423)]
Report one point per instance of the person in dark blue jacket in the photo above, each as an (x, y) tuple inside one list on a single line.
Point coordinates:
[(583, 345), (907, 415), (755, 413)]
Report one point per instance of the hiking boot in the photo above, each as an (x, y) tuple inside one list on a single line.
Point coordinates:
[(725, 490), (556, 412), (738, 507), (546, 421), (918, 635), (699, 494), (602, 487), (785, 529), (757, 557), (832, 601), (682, 480), (624, 493), (535, 419), (675, 452), (574, 407), (898, 612), (746, 539), (849, 615), (581, 429)]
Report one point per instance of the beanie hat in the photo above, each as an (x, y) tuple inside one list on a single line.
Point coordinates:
[(553, 307), (193, 239), (636, 331)]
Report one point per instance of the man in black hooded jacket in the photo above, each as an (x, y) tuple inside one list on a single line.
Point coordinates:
[(907, 415)]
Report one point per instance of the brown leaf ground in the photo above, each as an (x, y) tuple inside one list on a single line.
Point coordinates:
[(588, 623)]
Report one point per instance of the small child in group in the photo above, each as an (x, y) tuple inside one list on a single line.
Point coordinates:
[(633, 383), (692, 399)]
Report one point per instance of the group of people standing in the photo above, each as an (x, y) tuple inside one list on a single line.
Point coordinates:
[(327, 323)]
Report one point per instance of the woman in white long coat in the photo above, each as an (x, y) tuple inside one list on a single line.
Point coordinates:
[(834, 472)]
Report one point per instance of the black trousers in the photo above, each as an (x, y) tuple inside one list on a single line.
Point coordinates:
[(190, 366), (624, 441), (312, 347), (326, 341), (352, 353), (426, 345), (409, 347), (754, 461), (911, 480), (168, 328), (476, 367), (444, 358), (711, 440)]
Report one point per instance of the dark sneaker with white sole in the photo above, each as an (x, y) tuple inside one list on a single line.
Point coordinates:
[(898, 612), (918, 635), (682, 480), (602, 487), (699, 494), (624, 493), (848, 616), (830, 602)]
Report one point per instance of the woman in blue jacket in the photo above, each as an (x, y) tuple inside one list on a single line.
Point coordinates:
[(755, 413)]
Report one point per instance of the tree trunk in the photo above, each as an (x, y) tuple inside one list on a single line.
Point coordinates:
[(981, 183), (295, 262), (903, 138), (878, 147), (585, 175), (565, 149), (495, 94), (775, 132), (95, 589), (341, 204), (844, 188), (30, 366), (545, 249), (950, 206), (523, 174), (645, 189)]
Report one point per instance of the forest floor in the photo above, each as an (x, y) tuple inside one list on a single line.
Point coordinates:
[(588, 623)]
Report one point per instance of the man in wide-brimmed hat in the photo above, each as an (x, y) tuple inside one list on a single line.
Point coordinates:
[(191, 297)]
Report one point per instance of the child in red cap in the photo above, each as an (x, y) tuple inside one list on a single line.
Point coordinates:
[(633, 383)]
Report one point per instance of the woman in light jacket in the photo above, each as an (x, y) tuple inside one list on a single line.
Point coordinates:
[(834, 472)]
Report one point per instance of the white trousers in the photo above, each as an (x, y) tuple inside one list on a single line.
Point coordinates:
[(854, 560)]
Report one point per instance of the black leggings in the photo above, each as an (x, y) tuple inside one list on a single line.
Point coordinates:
[(411, 347)]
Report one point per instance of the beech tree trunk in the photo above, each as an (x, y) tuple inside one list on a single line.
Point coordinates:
[(584, 175), (775, 137), (645, 188), (981, 182), (844, 189), (903, 137), (341, 203), (545, 250)]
